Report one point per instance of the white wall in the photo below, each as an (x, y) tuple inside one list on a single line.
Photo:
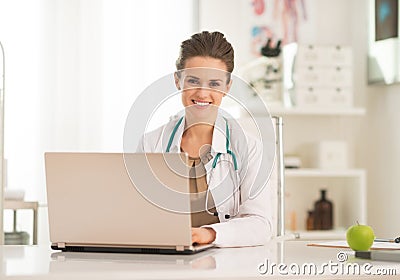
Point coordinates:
[(379, 147), (73, 70), (375, 137), (382, 154)]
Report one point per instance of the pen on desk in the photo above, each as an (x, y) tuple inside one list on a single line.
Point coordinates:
[(396, 240)]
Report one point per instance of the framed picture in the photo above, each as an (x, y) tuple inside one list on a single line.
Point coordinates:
[(384, 45)]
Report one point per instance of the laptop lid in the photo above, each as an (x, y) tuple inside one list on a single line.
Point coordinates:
[(93, 203)]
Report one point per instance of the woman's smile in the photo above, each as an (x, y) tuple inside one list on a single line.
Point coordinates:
[(201, 104)]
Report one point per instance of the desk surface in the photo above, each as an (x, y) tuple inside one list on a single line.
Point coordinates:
[(40, 262)]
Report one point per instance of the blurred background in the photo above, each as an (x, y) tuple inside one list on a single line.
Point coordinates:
[(74, 68)]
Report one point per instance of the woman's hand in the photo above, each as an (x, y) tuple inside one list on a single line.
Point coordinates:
[(203, 235)]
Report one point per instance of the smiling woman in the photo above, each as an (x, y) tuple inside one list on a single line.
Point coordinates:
[(224, 162), (203, 88)]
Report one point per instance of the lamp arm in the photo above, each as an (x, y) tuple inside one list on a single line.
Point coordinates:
[(281, 176)]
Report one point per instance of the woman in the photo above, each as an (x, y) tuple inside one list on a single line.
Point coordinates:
[(217, 148)]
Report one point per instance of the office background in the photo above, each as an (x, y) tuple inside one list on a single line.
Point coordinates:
[(75, 67)]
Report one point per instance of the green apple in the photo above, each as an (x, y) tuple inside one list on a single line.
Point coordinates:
[(360, 237)]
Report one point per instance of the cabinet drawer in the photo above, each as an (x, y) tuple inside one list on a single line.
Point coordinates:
[(324, 55), (326, 97), (318, 76)]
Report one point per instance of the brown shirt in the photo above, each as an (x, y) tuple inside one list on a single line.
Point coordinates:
[(198, 190)]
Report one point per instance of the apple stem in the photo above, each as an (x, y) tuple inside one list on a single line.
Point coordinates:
[(358, 223)]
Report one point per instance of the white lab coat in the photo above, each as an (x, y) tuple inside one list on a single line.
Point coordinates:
[(253, 224)]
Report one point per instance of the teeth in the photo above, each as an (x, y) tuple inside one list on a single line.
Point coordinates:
[(201, 103)]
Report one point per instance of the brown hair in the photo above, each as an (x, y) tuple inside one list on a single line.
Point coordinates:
[(212, 44)]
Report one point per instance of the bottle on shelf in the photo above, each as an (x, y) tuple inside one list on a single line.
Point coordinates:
[(323, 213), (310, 220)]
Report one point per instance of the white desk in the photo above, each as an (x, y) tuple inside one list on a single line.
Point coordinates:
[(39, 262)]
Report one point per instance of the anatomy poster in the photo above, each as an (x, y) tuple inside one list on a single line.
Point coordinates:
[(275, 20)]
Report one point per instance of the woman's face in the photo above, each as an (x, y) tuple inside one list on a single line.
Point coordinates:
[(204, 82)]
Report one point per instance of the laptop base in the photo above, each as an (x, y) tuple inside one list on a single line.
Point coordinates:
[(132, 250)]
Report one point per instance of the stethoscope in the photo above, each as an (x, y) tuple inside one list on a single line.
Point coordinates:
[(214, 164)]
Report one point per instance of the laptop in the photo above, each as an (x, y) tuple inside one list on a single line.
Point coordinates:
[(94, 206)]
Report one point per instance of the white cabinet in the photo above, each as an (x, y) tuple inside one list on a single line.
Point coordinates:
[(346, 187)]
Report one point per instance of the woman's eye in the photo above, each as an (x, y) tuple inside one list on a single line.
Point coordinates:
[(214, 84), (193, 81)]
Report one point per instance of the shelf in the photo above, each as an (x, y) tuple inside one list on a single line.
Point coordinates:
[(321, 111), (309, 172), (258, 110)]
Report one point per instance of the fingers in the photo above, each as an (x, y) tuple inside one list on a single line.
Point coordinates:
[(203, 235)]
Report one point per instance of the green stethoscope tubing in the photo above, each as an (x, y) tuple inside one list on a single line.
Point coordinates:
[(228, 137)]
